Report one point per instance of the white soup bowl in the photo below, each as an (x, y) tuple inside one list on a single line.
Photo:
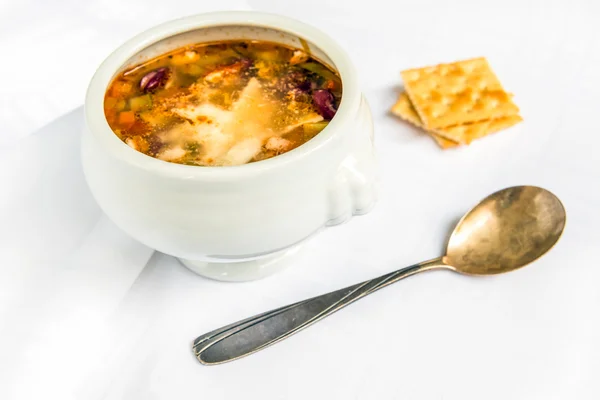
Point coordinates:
[(238, 222)]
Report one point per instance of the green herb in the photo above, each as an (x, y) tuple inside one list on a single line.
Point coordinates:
[(320, 70), (312, 129)]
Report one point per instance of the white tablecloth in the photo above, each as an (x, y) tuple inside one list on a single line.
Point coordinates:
[(88, 313)]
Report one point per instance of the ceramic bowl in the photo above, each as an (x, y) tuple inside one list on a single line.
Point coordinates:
[(237, 222)]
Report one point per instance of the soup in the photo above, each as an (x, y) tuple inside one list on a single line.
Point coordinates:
[(225, 103)]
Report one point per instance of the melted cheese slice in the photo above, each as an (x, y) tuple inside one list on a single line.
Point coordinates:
[(236, 136)]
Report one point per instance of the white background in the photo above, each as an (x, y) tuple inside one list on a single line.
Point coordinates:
[(87, 313)]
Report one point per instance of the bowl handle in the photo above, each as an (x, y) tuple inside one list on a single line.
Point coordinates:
[(353, 188)]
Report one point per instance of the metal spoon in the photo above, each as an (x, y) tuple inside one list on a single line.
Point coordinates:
[(505, 231)]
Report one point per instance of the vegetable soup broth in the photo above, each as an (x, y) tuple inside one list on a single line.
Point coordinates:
[(225, 103)]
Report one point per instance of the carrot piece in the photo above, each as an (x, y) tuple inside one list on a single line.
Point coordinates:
[(120, 88), (126, 119), (110, 102), (330, 84)]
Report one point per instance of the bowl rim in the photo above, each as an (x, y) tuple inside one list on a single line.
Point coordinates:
[(94, 100)]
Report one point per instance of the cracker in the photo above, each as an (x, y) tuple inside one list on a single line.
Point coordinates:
[(404, 109), (466, 133), (455, 135), (443, 142), (458, 93)]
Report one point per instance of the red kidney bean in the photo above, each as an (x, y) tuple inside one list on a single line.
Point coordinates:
[(324, 101), (154, 79)]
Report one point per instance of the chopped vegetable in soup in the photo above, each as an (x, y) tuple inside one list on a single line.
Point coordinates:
[(226, 103)]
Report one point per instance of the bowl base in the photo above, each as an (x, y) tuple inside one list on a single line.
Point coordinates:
[(241, 271)]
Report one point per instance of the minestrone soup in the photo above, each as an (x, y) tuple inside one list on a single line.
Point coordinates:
[(225, 103)]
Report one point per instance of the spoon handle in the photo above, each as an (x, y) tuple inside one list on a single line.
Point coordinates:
[(255, 333)]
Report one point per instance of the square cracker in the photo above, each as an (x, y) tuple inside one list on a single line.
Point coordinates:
[(405, 110), (457, 93), (455, 135), (466, 133)]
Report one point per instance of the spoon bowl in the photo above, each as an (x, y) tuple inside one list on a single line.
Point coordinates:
[(506, 231)]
